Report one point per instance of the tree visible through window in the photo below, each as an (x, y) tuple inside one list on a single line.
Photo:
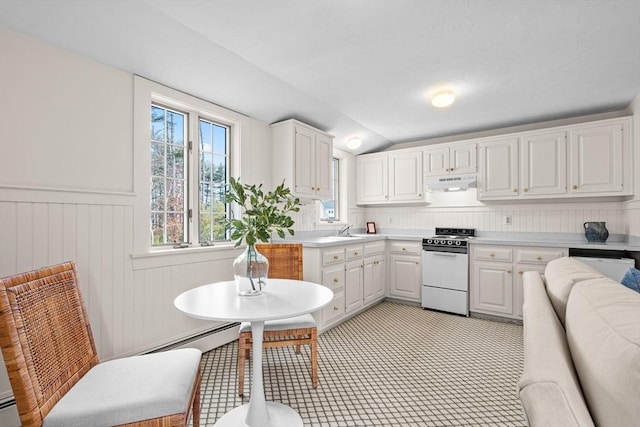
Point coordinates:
[(188, 181)]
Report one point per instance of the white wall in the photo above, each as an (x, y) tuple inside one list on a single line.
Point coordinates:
[(67, 192)]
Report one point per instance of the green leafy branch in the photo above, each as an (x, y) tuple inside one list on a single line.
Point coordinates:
[(263, 212)]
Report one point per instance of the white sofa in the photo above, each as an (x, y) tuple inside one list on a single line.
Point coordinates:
[(581, 348)]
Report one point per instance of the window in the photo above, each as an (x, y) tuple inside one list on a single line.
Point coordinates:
[(330, 209), (188, 181)]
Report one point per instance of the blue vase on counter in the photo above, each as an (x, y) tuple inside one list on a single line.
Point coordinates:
[(596, 231)]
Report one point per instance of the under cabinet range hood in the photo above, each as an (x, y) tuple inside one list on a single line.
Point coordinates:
[(458, 183)]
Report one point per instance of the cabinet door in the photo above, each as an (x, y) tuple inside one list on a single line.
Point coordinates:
[(305, 167), (373, 184), (462, 159), (405, 277), (596, 158), (333, 312), (405, 176), (436, 161), (498, 169), (374, 275), (492, 288), (353, 287), (543, 167), (323, 159)]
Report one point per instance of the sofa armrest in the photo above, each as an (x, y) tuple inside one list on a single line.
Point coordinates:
[(548, 389)]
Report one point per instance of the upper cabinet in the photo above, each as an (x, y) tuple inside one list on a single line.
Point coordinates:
[(302, 156), (600, 156), (589, 159), (393, 177), (450, 159)]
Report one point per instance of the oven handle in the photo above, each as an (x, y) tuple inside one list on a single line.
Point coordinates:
[(445, 253)]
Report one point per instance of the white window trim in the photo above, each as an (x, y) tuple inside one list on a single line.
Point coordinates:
[(145, 93), (343, 169)]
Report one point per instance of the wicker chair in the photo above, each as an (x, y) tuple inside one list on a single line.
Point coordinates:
[(53, 365), (285, 262)]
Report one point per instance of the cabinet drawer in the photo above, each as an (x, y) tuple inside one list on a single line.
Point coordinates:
[(538, 255), (493, 253), (332, 256), (335, 310), (374, 248), (353, 252), (406, 248), (333, 277)]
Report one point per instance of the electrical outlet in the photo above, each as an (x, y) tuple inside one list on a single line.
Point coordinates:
[(507, 220)]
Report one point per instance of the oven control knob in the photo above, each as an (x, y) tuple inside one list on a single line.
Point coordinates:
[(429, 241), (450, 242), (458, 242)]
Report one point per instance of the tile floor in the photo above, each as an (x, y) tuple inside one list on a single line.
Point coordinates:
[(393, 365)]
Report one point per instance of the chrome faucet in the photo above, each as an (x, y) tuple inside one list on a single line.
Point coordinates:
[(344, 230)]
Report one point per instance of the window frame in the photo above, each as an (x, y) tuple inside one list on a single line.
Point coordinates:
[(145, 93)]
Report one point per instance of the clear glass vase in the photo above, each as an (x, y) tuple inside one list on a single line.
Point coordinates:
[(250, 271)]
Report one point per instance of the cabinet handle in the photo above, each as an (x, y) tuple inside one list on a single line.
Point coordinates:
[(509, 271), (492, 254), (575, 187), (526, 189), (520, 272), (335, 280), (539, 258), (515, 190), (335, 257)]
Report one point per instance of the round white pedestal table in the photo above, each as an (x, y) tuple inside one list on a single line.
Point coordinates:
[(281, 298)]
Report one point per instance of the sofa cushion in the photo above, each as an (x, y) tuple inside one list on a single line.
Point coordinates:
[(548, 388), (561, 274), (603, 332), (631, 279)]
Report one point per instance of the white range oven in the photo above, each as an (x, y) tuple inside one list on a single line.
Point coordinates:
[(445, 270)]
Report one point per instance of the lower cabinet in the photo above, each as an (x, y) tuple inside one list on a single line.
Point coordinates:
[(355, 273), (405, 270), (496, 276)]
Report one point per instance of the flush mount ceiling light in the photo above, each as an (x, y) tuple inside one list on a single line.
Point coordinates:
[(354, 143), (443, 99)]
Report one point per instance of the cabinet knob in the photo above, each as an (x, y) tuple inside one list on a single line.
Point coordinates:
[(451, 169), (575, 187), (509, 271), (404, 249), (520, 272), (492, 254), (515, 190), (336, 308), (335, 257), (417, 262), (539, 258), (335, 280), (355, 253), (526, 189)]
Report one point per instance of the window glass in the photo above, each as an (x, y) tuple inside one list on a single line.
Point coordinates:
[(329, 208)]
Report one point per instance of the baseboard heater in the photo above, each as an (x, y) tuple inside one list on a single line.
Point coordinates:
[(184, 342)]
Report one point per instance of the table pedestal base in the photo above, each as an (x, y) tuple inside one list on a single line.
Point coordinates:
[(279, 415)]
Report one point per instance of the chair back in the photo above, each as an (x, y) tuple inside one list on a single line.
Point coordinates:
[(45, 337), (285, 259)]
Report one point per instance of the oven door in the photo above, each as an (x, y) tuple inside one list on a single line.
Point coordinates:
[(446, 270)]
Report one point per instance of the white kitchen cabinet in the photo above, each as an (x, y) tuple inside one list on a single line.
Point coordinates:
[(498, 168), (596, 161), (353, 293), (387, 178), (450, 159), (543, 160), (496, 276), (341, 268), (302, 156), (519, 167), (600, 158), (405, 271)]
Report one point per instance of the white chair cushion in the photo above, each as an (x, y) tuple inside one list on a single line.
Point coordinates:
[(298, 322), (130, 389)]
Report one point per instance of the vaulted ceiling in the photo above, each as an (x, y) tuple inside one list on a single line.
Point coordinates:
[(364, 68)]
